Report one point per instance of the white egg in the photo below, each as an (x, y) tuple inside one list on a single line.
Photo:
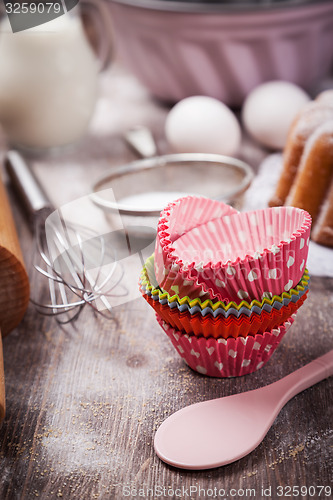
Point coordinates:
[(201, 124), (269, 110)]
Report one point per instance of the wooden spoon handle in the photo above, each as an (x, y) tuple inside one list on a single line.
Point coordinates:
[(2, 385), (14, 289), (14, 282)]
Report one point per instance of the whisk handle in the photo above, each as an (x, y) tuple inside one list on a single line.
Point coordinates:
[(27, 187)]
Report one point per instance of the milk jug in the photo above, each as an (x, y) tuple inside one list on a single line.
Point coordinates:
[(48, 82)]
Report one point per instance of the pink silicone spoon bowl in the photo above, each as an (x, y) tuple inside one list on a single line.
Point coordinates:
[(191, 439)]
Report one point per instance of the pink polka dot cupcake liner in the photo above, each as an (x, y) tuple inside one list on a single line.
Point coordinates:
[(178, 218), (207, 249), (230, 357)]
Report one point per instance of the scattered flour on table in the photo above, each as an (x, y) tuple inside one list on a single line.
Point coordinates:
[(319, 443)]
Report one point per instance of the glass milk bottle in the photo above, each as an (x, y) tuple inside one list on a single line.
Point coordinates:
[(48, 82)]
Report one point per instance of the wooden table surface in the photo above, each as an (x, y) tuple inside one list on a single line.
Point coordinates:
[(84, 401)]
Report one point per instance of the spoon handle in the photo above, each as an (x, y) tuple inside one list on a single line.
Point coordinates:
[(304, 377)]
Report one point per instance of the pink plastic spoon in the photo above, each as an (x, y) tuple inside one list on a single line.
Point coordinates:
[(217, 432)]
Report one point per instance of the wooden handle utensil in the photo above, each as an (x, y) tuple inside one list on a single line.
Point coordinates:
[(14, 282)]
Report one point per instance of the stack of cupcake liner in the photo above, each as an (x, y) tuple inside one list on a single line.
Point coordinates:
[(226, 285), (217, 319)]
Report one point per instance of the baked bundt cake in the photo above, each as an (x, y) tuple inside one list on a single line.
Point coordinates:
[(307, 176)]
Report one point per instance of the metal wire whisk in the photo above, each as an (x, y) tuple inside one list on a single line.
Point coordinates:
[(79, 269)]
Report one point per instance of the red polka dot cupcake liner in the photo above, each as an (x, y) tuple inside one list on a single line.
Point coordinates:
[(230, 357)]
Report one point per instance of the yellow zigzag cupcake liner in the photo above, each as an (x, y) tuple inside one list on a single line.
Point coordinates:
[(148, 281)]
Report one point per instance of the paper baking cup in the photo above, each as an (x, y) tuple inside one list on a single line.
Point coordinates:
[(226, 358), (148, 283), (231, 312), (178, 218), (234, 257), (220, 327)]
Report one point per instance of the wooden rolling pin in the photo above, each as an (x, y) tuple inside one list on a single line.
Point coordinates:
[(14, 282)]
